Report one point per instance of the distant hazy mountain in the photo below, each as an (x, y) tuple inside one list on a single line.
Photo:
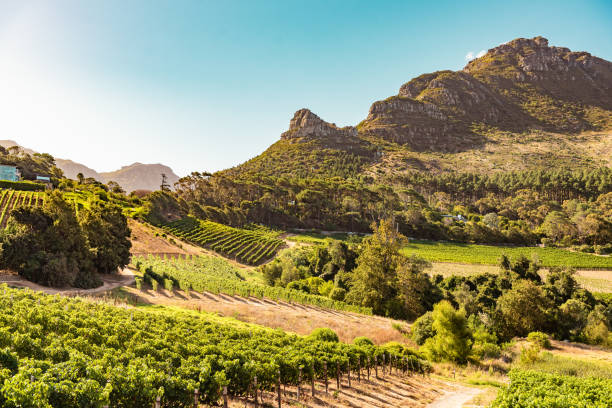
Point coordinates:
[(136, 176)]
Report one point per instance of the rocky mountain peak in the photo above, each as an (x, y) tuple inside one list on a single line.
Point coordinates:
[(308, 125)]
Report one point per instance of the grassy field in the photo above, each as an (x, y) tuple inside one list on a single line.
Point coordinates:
[(599, 281), (489, 255)]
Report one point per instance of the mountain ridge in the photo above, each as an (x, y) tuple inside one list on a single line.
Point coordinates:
[(544, 102)]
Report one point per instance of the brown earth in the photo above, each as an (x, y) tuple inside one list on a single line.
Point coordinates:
[(294, 318), (109, 282), (147, 239), (395, 390)]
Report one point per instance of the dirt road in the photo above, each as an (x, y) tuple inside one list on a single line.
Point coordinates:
[(455, 398), (109, 282)]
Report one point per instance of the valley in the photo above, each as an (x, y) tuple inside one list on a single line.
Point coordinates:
[(452, 249)]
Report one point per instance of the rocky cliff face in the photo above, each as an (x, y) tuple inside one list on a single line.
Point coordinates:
[(306, 124)]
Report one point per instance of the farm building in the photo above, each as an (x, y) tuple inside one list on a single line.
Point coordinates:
[(10, 173)]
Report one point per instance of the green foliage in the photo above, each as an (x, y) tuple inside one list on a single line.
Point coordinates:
[(523, 309), (490, 255), (453, 339), (249, 246), (338, 294), (422, 328), (22, 185), (47, 245), (221, 277), (547, 362), (531, 389), (363, 342), (389, 283), (539, 338), (324, 334), (89, 354), (59, 244)]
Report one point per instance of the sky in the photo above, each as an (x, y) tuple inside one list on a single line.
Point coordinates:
[(205, 85)]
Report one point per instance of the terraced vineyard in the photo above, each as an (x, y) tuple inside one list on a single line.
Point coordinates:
[(248, 246), (10, 199)]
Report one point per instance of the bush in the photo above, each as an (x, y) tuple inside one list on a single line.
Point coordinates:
[(138, 283), (337, 294), (154, 284), (324, 334), (539, 338), (487, 350), (22, 185), (530, 354), (363, 342), (422, 328)]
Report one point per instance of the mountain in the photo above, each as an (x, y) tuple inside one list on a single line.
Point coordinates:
[(136, 176), (140, 176), (522, 105)]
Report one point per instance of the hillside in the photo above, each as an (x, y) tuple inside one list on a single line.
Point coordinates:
[(137, 176), (523, 105)]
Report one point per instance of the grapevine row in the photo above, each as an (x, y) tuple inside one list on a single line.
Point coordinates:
[(247, 245), (196, 274), (11, 199), (69, 353)]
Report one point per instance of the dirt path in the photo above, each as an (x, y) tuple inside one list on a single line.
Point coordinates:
[(455, 398), (109, 282)]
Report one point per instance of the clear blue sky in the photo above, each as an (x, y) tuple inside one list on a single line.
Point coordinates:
[(205, 85)]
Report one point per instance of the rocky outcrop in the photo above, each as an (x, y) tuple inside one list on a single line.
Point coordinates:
[(519, 85), (306, 124)]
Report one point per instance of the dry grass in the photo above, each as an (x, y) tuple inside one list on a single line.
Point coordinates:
[(294, 318), (147, 239)]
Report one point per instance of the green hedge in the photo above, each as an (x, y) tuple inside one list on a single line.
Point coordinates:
[(22, 185)]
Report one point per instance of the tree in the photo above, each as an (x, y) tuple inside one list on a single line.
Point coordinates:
[(416, 292), (523, 309), (164, 183), (108, 235), (374, 281), (46, 245), (422, 328), (453, 339)]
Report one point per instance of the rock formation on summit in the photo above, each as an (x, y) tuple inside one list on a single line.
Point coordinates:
[(306, 124)]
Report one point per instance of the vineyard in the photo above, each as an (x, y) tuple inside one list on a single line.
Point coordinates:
[(217, 276), (529, 389), (435, 251), (10, 199), (250, 246), (69, 352)]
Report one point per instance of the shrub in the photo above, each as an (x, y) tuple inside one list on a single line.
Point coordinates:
[(138, 283), (154, 284), (363, 342), (539, 338), (338, 294), (422, 328), (530, 354), (324, 334)]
